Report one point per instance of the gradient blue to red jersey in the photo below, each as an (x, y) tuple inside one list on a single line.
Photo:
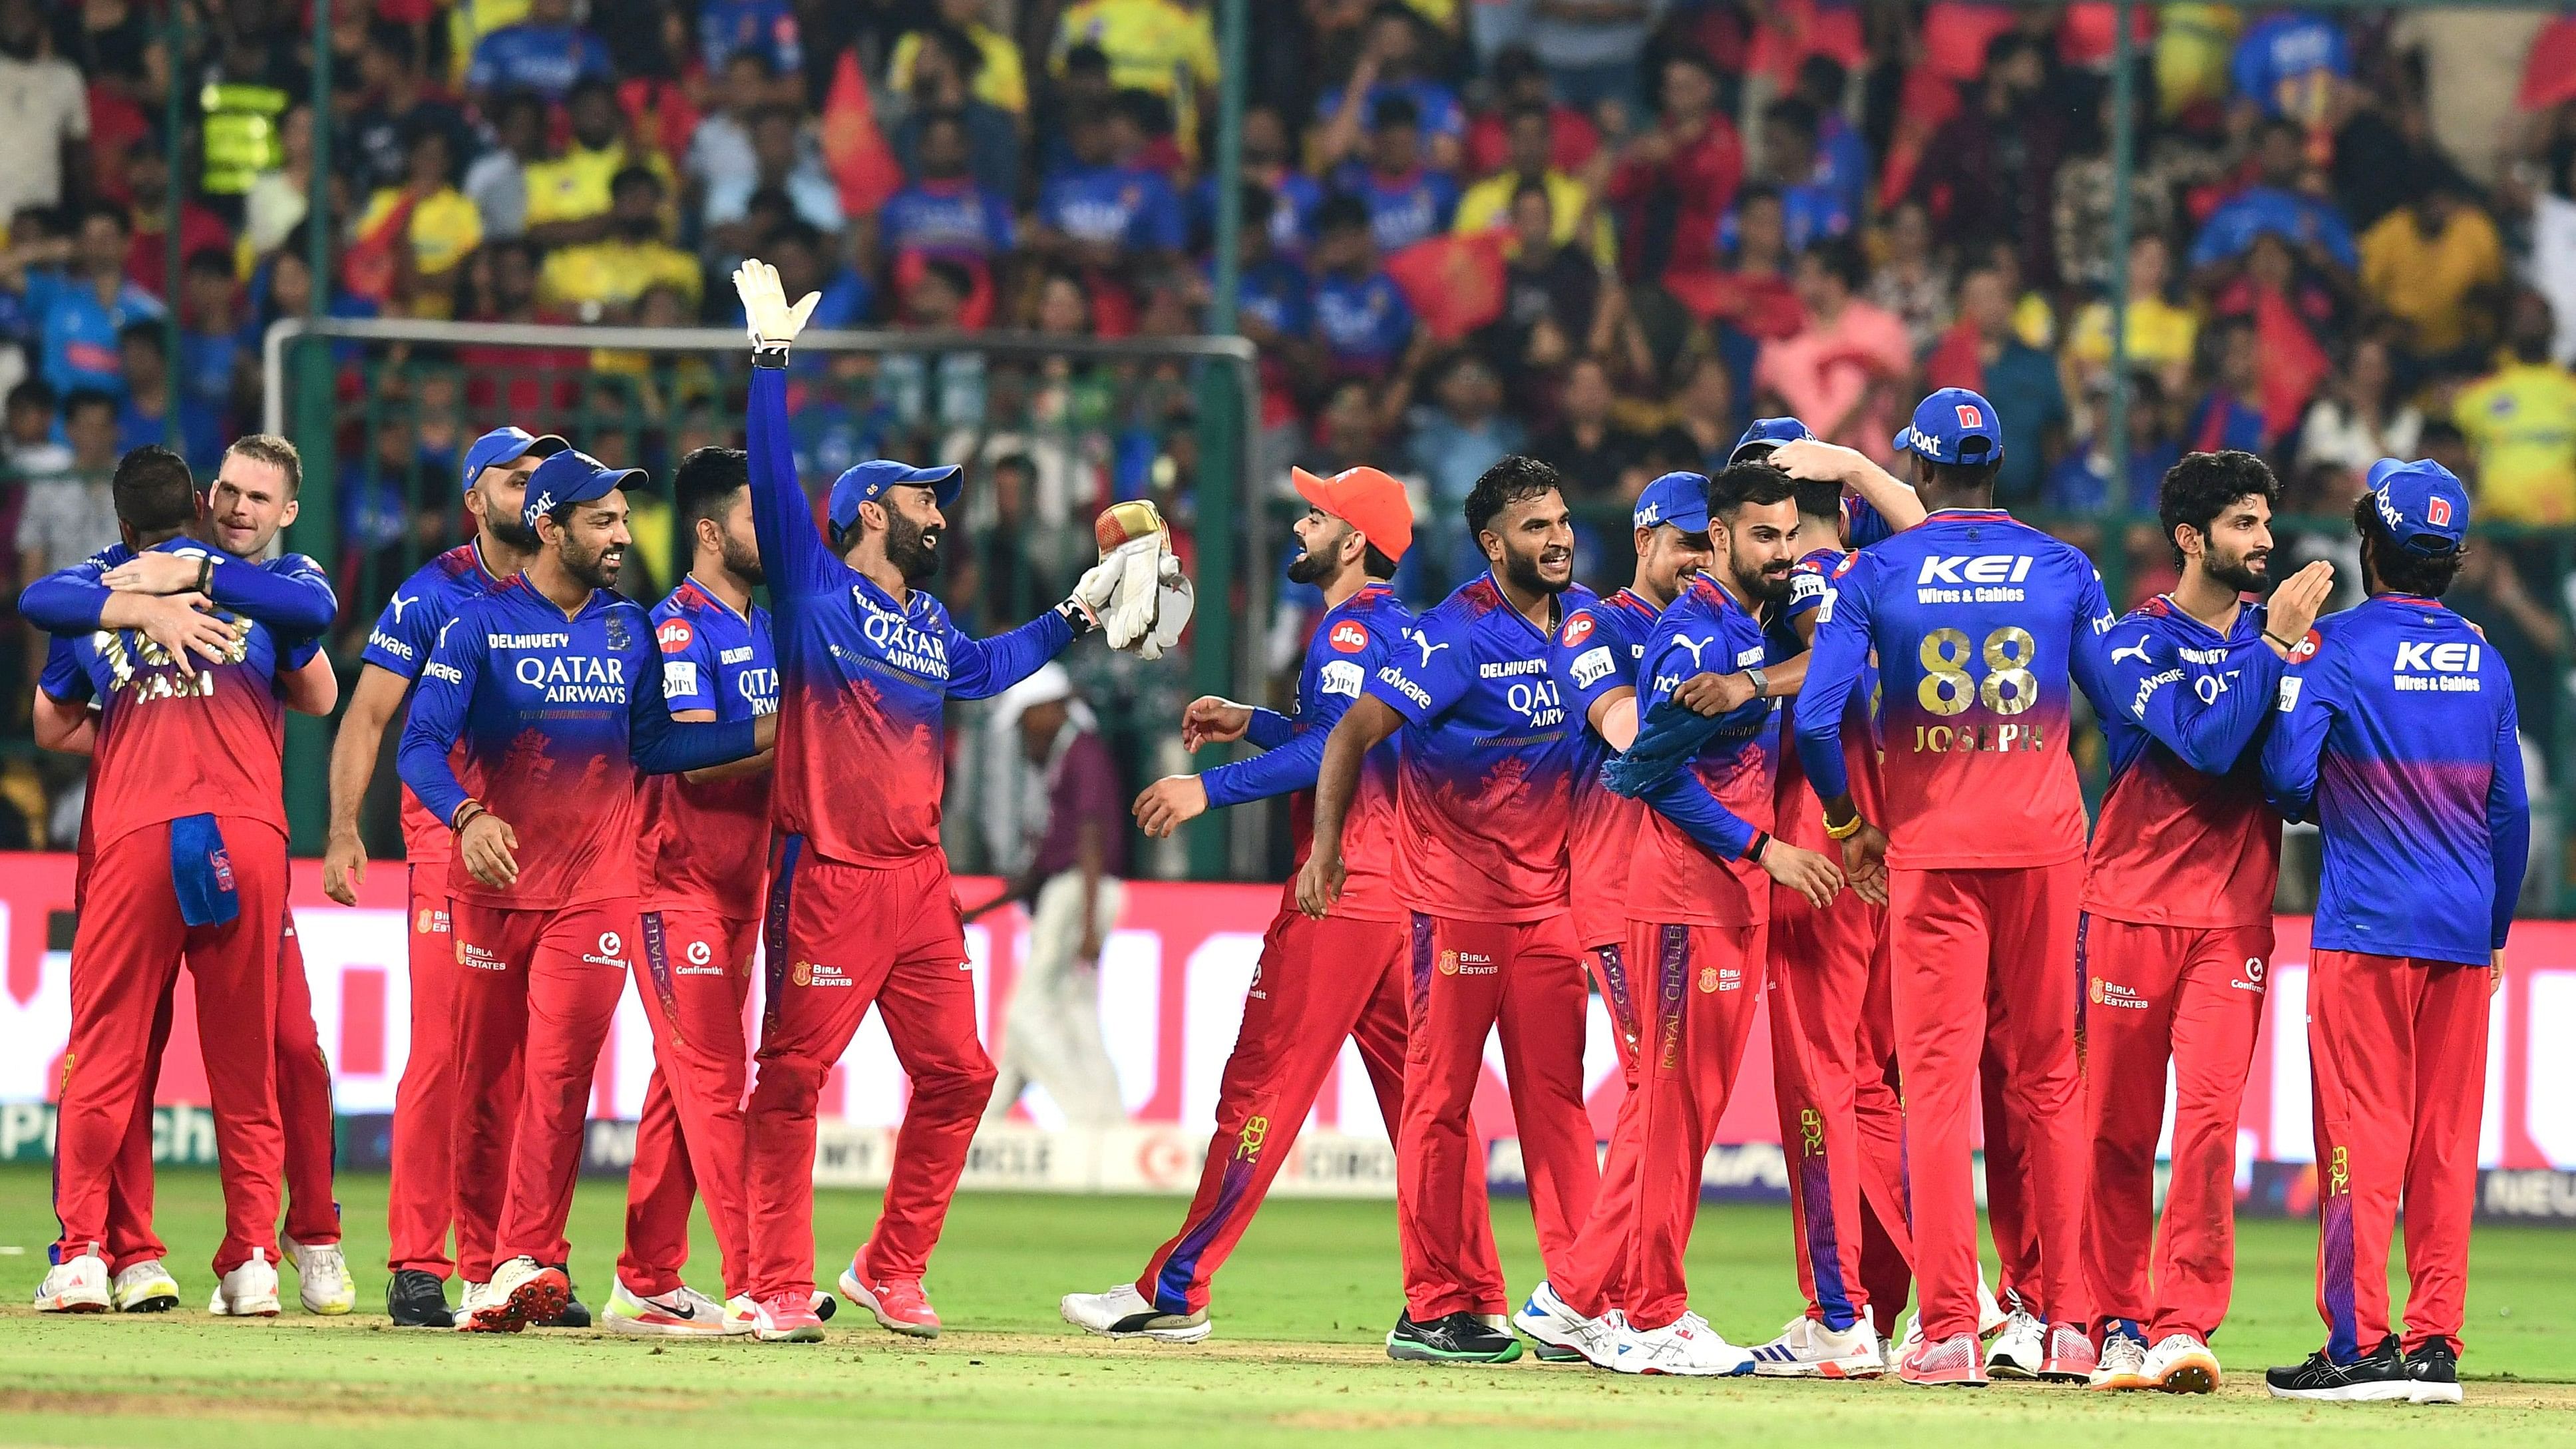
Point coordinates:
[(1487, 754), (1688, 868), (1352, 641), (2397, 737), (705, 844), (863, 681), (400, 643), (1598, 650), (1797, 816), (556, 715), (1979, 621), (2186, 837)]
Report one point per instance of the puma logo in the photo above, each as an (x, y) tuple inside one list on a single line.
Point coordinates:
[(1427, 647), (2137, 651), (1682, 641), (400, 604)]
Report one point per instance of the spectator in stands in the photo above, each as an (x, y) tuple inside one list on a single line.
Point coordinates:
[(1489, 204), (279, 198), (147, 254), (1460, 434), (805, 259), (1841, 157), (1394, 62), (1555, 305), (1162, 46), (2437, 267), (1519, 80), (2161, 333), (1810, 211), (1407, 203), (1673, 182), (944, 71), (1001, 81), (1267, 161), (144, 364), (943, 213), (1984, 353), (213, 371), (46, 162), (2291, 65), (1702, 408), (28, 449), (2360, 419), (720, 145), (407, 245), (2230, 414), (603, 279), (78, 309), (2521, 424), (941, 388), (570, 197), (1990, 170), (781, 158), (2274, 205), (497, 182), (1842, 371), (1275, 308), (1591, 49), (398, 105), (72, 515), (1916, 280), (1105, 212), (1603, 463), (1361, 316), (765, 28), (546, 53)]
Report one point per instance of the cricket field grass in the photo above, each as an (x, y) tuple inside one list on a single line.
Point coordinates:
[(1301, 1313)]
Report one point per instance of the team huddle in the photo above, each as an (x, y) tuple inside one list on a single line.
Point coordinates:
[(1814, 755)]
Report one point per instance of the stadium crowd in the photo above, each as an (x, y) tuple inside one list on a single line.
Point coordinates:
[(1606, 234)]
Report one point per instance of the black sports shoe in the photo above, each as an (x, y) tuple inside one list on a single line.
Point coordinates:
[(417, 1299), (2379, 1375), (2433, 1372), (1451, 1338), (574, 1314)]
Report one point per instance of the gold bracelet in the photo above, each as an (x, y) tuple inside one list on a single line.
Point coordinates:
[(1846, 830)]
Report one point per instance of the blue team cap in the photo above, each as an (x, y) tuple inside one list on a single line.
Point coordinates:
[(2422, 505), (571, 476), (1765, 435), (1954, 425), (870, 480), (507, 445), (1680, 499)]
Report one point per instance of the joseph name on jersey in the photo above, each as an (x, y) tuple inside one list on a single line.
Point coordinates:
[(400, 643), (1598, 649)]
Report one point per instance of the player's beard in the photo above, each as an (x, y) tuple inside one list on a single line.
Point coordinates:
[(1309, 567), (1521, 571), (598, 570), (743, 561), (2247, 573), (912, 548), (513, 534)]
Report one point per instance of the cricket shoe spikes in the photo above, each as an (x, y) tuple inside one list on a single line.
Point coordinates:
[(75, 1285), (573, 1314), (1807, 1349), (322, 1278), (898, 1303), (2378, 1376), (2020, 1348), (248, 1291), (1450, 1338), (2122, 1366), (1948, 1362), (2434, 1371), (1686, 1347), (2070, 1356), (1547, 1321), (522, 1291), (1122, 1312), (145, 1287), (2181, 1364), (786, 1318), (684, 1312)]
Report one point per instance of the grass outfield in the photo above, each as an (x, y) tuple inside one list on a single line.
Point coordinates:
[(1301, 1312)]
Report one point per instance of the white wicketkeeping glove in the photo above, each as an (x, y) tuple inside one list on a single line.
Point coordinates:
[(1175, 601), (1097, 590), (1130, 615), (766, 315)]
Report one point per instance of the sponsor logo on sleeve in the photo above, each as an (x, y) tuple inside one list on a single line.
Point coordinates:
[(674, 635), (679, 677), (2290, 685), (2307, 647), (1593, 665), (1577, 629), (1342, 677), (1349, 636)]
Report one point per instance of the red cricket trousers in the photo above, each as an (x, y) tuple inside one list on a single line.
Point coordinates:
[(1704, 983), (2008, 1213), (304, 1114), (1608, 963), (2191, 997), (1471, 978), (1318, 982), (1878, 1114), (2397, 1050), (2001, 940), (1817, 990), (695, 979), (535, 993), (126, 952), (420, 1202), (841, 938)]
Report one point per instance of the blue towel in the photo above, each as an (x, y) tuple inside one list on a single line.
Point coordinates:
[(202, 871), (1670, 737)]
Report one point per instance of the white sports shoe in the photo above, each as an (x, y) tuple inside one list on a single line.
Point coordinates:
[(1122, 1312), (2123, 1365), (76, 1286), (2181, 1364), (1545, 1319), (684, 1312), (1806, 1349), (145, 1287), (470, 1298), (522, 1291), (739, 1311), (249, 1291), (1687, 1347), (2019, 1350), (322, 1278), (1990, 1321)]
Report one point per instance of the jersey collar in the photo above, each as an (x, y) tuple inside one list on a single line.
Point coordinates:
[(1628, 598), (690, 582), (1555, 609), (1971, 515)]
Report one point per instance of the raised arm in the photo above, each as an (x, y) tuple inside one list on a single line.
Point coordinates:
[(797, 562)]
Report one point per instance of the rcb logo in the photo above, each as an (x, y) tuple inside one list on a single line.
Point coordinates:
[(1707, 978), (2097, 991), (801, 974), (1448, 963)]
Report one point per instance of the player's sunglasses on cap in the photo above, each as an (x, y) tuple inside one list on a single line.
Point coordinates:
[(507, 445), (867, 482), (1954, 425), (1765, 435), (1680, 499), (2421, 504), (571, 476), (1366, 499)]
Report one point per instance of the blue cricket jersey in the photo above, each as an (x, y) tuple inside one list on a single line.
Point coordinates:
[(706, 845), (1689, 867)]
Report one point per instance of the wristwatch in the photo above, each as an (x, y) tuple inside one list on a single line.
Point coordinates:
[(1761, 681)]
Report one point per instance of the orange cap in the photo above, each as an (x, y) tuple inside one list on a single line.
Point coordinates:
[(1367, 500)]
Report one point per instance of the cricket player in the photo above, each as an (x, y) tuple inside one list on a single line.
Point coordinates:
[(1698, 901), (1978, 622), (421, 1200), (251, 498), (1318, 981), (552, 684), (186, 824), (705, 842), (1480, 865), (2176, 939), (2396, 734), (860, 910)]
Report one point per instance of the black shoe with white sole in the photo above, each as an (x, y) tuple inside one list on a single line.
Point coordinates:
[(2377, 1376), (2434, 1372), (1451, 1338), (417, 1299)]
